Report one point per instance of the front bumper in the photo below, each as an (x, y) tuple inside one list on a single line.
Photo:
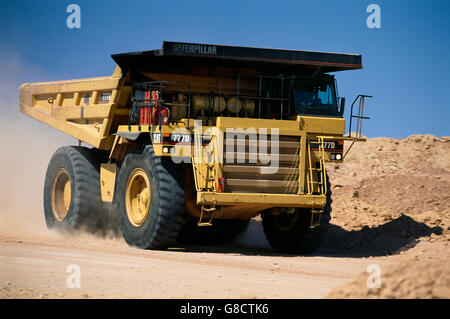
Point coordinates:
[(274, 200)]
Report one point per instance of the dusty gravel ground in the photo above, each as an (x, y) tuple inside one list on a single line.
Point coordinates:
[(391, 201)]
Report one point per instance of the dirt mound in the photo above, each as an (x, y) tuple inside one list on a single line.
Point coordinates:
[(392, 197), (401, 280), (390, 194), (380, 156)]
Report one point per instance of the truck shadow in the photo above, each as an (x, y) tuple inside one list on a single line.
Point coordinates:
[(391, 238)]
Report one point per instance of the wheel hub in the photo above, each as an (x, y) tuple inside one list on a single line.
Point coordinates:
[(61, 194), (137, 197), (286, 220)]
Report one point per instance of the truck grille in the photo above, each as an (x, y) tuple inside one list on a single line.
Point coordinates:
[(245, 167)]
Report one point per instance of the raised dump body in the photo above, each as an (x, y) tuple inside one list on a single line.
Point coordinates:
[(85, 109), (199, 135)]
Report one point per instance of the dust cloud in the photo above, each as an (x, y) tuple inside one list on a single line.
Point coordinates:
[(26, 152), (26, 147)]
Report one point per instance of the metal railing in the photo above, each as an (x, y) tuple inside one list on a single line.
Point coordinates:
[(138, 101), (359, 116)]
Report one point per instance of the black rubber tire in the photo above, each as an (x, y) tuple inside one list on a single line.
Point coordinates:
[(86, 207), (221, 231), (299, 238), (162, 225)]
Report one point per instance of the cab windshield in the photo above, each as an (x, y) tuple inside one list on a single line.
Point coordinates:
[(314, 96)]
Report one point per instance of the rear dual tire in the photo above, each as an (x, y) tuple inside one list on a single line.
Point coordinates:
[(72, 199)]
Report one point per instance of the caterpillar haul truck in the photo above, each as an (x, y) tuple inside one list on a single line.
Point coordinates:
[(191, 141)]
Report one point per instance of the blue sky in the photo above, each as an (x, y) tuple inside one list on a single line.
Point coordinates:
[(406, 62)]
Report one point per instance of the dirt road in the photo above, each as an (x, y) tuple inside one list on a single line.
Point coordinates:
[(38, 269)]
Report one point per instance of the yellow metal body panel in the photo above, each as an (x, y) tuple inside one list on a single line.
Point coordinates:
[(271, 200), (107, 181), (310, 124), (180, 126), (82, 108)]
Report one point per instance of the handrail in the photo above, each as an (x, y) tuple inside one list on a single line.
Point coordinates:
[(205, 170), (359, 116), (322, 187), (196, 157)]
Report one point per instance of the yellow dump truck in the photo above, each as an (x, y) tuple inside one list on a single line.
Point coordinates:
[(191, 141)]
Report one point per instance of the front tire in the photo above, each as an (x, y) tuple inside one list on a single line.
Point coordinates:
[(149, 200), (290, 232)]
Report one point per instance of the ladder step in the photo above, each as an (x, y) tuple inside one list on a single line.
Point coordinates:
[(315, 223), (204, 224)]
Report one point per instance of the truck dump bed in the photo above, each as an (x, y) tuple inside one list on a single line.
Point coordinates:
[(84, 109)]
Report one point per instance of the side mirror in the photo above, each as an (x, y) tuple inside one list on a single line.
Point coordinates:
[(342, 106)]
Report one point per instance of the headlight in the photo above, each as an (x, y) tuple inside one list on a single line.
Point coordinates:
[(338, 156)]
